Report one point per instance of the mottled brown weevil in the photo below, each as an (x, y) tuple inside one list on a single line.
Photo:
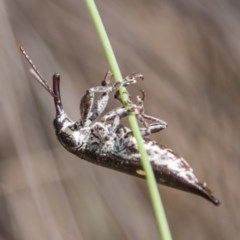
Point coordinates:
[(102, 140)]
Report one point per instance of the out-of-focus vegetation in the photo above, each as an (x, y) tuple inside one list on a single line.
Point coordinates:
[(189, 52)]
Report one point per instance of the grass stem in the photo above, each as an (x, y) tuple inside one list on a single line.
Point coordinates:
[(151, 182)]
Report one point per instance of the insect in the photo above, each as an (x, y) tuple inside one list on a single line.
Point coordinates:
[(105, 142)]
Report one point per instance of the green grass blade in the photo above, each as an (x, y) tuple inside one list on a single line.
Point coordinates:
[(151, 182)]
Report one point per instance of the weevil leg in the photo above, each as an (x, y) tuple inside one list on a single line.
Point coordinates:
[(90, 109), (151, 124), (115, 116), (100, 104), (155, 124), (150, 128), (127, 81), (114, 127), (105, 131), (107, 79), (132, 79), (120, 112)]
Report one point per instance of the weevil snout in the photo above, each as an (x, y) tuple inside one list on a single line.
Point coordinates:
[(61, 120), (57, 96)]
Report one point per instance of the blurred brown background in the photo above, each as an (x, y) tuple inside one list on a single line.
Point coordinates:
[(189, 53)]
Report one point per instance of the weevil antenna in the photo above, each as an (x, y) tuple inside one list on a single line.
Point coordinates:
[(36, 73)]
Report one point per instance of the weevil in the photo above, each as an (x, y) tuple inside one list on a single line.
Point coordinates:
[(101, 139)]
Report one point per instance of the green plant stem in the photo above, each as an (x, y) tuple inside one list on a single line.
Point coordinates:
[(151, 182)]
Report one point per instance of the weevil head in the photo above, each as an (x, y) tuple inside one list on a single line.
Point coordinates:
[(62, 122), (67, 131)]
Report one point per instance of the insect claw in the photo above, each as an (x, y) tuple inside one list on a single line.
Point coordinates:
[(107, 79), (141, 99), (143, 95), (138, 75)]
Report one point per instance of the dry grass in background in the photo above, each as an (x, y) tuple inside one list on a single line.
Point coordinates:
[(189, 53)]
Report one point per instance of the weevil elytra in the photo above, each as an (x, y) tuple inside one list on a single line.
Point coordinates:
[(107, 143)]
